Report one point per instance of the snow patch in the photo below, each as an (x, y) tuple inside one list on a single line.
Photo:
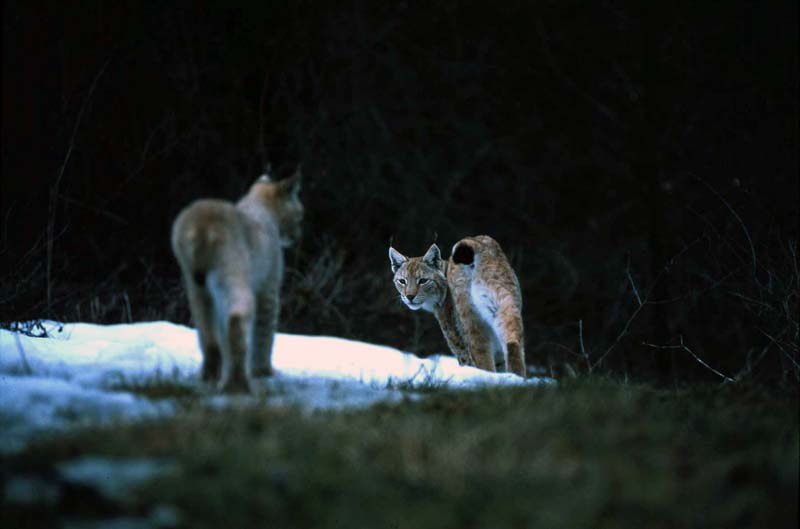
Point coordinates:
[(69, 378), (34, 405)]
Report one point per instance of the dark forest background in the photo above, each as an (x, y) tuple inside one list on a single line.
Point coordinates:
[(636, 160)]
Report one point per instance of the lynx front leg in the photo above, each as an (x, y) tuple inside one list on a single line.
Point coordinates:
[(451, 329), (476, 336), (202, 309), (266, 324), (456, 344)]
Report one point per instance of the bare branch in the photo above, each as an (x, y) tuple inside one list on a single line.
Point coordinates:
[(780, 343), (621, 335), (51, 220), (583, 349), (739, 219), (559, 346), (633, 285), (750, 364), (79, 118), (643, 301), (684, 347), (714, 285)]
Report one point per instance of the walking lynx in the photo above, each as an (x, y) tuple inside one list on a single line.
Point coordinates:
[(231, 259), (475, 297)]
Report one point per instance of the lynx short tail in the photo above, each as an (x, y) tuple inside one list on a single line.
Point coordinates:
[(235, 307)]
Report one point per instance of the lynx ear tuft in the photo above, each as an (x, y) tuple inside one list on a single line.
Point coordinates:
[(396, 259), (433, 257)]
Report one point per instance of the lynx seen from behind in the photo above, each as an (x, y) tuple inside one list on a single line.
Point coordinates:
[(231, 259), (475, 297)]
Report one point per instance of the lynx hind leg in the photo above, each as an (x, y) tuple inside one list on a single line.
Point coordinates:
[(238, 324), (266, 324), (476, 336), (511, 335), (480, 345), (516, 359), (201, 307)]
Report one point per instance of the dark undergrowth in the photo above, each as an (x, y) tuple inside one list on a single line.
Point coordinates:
[(588, 453), (640, 173)]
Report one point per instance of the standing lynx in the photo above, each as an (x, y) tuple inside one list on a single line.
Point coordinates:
[(475, 297), (231, 259)]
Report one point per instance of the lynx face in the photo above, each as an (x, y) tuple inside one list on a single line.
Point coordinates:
[(290, 220), (419, 280), (282, 198)]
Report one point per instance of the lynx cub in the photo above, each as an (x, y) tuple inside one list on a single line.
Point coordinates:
[(475, 297), (231, 259)]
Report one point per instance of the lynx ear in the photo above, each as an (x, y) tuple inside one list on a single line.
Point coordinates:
[(267, 176), (396, 259), (433, 257)]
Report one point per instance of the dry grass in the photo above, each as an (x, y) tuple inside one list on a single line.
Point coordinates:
[(590, 453)]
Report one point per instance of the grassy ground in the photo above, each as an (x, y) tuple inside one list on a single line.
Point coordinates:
[(587, 453)]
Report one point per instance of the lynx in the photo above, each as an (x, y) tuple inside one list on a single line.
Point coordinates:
[(231, 260), (475, 297)]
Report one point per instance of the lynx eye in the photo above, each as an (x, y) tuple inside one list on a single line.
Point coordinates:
[(401, 281), (422, 280)]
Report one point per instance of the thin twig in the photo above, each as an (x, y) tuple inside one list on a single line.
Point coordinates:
[(752, 301), (780, 344), (750, 365), (79, 118), (583, 349), (632, 317), (642, 301), (559, 346), (793, 252), (633, 285), (621, 335), (51, 221), (684, 347), (105, 213), (741, 223), (714, 284)]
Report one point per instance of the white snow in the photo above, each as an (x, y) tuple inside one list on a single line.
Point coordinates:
[(34, 405), (69, 378)]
